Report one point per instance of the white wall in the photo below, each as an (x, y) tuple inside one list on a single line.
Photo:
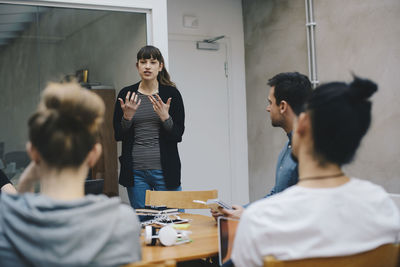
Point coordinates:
[(222, 17)]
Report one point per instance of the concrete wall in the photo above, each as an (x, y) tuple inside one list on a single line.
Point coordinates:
[(19, 90), (275, 41), (353, 35), (366, 40), (103, 42)]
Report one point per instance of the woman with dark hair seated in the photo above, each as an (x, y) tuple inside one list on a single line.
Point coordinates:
[(61, 226), (327, 213)]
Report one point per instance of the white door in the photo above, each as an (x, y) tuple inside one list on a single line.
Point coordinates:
[(201, 79)]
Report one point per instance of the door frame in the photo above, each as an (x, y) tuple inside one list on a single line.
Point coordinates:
[(155, 10)]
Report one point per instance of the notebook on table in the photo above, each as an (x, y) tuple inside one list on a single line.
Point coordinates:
[(226, 235)]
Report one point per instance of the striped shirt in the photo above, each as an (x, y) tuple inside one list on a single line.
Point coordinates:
[(146, 125)]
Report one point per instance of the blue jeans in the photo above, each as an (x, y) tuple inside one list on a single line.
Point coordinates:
[(146, 180)]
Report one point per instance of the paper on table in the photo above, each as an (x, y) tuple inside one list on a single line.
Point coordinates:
[(214, 204)]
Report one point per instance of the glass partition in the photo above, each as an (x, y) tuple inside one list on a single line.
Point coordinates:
[(41, 44)]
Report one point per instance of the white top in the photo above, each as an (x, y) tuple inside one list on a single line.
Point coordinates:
[(305, 222)]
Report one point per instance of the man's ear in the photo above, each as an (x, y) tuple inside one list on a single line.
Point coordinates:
[(283, 106), (33, 152), (94, 154), (303, 124)]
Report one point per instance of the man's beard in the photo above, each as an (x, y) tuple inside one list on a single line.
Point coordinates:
[(276, 123)]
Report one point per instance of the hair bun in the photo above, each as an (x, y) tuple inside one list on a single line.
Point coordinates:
[(361, 89), (73, 103), (64, 105), (65, 126)]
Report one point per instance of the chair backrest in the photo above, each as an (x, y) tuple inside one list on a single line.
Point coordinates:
[(226, 235), (179, 199), (386, 255), (20, 158), (168, 263)]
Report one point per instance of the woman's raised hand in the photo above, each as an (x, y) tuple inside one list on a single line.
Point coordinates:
[(160, 107), (131, 104)]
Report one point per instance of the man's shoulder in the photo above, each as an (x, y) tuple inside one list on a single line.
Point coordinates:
[(367, 189), (357, 183)]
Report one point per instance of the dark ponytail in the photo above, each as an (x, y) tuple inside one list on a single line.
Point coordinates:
[(148, 52), (340, 117), (361, 89)]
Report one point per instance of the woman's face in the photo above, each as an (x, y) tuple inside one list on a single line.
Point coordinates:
[(149, 68)]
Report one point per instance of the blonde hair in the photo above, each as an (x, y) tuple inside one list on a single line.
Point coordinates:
[(65, 126)]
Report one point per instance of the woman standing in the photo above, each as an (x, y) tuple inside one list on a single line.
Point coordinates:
[(149, 119)]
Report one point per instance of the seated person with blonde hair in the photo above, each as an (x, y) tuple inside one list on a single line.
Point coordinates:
[(327, 213), (61, 226)]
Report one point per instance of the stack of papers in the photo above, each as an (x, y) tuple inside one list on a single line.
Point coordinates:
[(214, 204), (156, 212)]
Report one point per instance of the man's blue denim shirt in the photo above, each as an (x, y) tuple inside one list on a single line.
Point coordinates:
[(286, 173)]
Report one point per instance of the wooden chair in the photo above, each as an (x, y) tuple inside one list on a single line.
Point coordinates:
[(179, 199), (386, 255), (168, 263)]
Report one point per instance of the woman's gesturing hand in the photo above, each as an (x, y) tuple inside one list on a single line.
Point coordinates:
[(160, 107), (131, 104)]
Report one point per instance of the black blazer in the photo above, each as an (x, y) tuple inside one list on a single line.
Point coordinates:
[(170, 161)]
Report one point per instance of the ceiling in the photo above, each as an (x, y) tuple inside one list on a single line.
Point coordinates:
[(14, 19)]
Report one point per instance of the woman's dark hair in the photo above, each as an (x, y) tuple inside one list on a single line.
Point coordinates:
[(65, 126), (148, 52), (340, 117), (292, 87)]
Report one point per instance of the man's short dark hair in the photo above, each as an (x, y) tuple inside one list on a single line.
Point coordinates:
[(292, 87)]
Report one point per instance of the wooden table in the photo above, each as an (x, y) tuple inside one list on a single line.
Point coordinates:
[(205, 242)]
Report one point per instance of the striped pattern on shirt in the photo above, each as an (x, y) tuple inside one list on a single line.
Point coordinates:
[(146, 124)]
